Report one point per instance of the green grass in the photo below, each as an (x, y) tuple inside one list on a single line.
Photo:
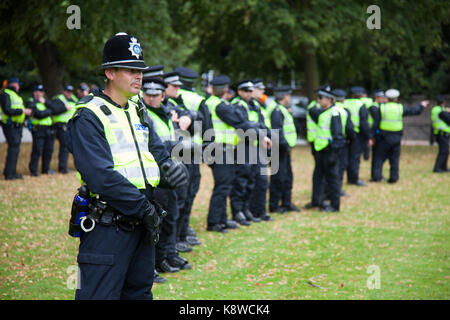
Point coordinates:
[(403, 229)]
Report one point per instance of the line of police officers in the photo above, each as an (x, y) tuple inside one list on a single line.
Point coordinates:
[(124, 140)]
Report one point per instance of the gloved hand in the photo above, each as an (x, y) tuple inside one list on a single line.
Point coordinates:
[(176, 173), (152, 220)]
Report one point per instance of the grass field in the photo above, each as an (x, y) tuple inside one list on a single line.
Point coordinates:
[(394, 236)]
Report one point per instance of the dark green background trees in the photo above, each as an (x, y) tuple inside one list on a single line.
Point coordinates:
[(317, 40)]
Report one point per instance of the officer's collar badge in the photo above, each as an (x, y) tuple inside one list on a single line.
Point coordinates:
[(135, 48)]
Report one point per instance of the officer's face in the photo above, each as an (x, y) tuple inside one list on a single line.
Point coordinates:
[(257, 93), (172, 91), (128, 81), (245, 94), (153, 100)]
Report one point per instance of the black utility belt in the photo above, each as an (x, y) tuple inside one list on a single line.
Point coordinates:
[(40, 127), (108, 216), (443, 133), (14, 124)]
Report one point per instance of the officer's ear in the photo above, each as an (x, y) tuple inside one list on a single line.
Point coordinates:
[(110, 74)]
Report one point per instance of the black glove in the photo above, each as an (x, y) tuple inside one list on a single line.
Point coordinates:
[(152, 220), (176, 173)]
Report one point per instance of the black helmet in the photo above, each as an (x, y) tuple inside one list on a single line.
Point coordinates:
[(123, 51)]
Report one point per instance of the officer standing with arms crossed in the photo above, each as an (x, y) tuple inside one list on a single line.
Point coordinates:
[(64, 101), (281, 182), (118, 156), (13, 117), (440, 117), (388, 125), (41, 130)]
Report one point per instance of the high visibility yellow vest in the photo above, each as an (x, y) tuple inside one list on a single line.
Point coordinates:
[(65, 116), (354, 105), (324, 135), (16, 103), (311, 125), (165, 131), (438, 123), (289, 131), (47, 121), (252, 114), (344, 116), (391, 116), (264, 113), (192, 101), (128, 140), (223, 133)]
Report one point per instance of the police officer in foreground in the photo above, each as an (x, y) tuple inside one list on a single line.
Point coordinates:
[(328, 143), (281, 183), (66, 103), (226, 118), (166, 258), (121, 159), (440, 117), (41, 130), (14, 113), (388, 125)]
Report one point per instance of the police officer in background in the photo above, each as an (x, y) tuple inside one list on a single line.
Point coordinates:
[(378, 98), (367, 101), (64, 102), (41, 130), (328, 143), (440, 118), (257, 205), (226, 118), (83, 90), (388, 125), (121, 159), (166, 258), (359, 117), (13, 118), (281, 182)]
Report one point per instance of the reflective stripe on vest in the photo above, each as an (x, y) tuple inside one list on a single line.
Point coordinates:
[(391, 116), (65, 116), (344, 116), (289, 131), (264, 113), (438, 123), (223, 133), (252, 114), (354, 105), (192, 101), (165, 131), (16, 103), (123, 130), (47, 121), (324, 135), (311, 125)]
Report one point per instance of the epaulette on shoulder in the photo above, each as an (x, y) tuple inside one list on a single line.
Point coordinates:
[(85, 99)]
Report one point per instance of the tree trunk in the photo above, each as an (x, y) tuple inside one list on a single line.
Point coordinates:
[(311, 69), (51, 70)]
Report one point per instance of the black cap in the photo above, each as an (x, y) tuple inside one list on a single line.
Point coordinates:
[(68, 88), (172, 78), (440, 98), (186, 74), (83, 87), (282, 90), (13, 80), (325, 91), (123, 51), (38, 87), (154, 71), (221, 81), (259, 84), (246, 85), (153, 86), (339, 94), (357, 90), (378, 93)]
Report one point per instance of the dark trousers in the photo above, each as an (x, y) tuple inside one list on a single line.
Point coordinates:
[(281, 183), (43, 141), (354, 159), (165, 248), (115, 264), (343, 162), (224, 175), (328, 176), (442, 157), (316, 197), (185, 207), (13, 135), (242, 187), (258, 197), (63, 156), (387, 147)]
